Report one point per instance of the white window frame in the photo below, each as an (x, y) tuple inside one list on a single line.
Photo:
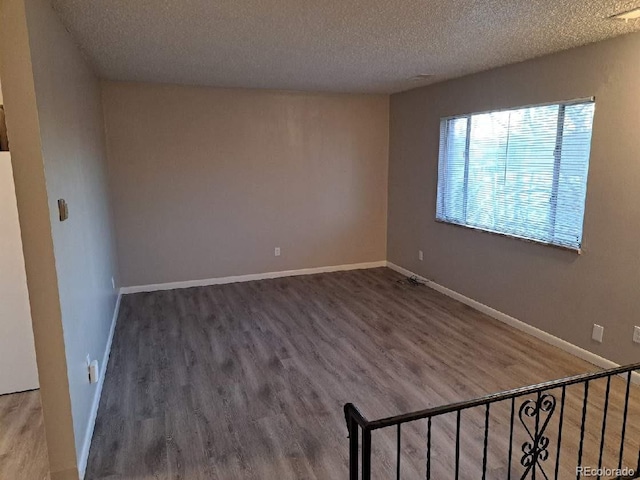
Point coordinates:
[(444, 123)]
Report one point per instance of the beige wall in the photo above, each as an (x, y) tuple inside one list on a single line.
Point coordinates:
[(55, 124), (28, 171), (557, 291), (207, 182)]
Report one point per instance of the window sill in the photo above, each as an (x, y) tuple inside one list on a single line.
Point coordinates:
[(577, 251)]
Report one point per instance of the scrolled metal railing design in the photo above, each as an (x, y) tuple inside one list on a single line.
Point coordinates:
[(534, 414), (536, 450)]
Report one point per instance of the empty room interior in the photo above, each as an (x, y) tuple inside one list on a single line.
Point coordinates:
[(319, 240)]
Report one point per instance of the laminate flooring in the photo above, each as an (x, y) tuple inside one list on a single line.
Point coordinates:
[(23, 448), (248, 381)]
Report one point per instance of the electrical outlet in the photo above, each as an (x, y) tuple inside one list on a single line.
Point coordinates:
[(276, 251), (598, 333), (420, 255), (636, 334)]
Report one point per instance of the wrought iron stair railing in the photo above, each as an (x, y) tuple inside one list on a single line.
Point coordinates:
[(531, 410)]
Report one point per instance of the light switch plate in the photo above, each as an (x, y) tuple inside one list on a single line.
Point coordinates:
[(636, 334), (63, 209)]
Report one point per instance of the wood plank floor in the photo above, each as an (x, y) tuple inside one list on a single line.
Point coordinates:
[(23, 449), (248, 381)]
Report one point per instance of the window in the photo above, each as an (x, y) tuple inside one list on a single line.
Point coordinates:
[(519, 172)]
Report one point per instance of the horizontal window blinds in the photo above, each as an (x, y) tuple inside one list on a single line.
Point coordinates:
[(520, 172)]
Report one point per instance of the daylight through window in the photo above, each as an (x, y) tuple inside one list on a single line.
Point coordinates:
[(520, 172)]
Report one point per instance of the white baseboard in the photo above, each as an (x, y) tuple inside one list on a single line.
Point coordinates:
[(518, 324), (249, 278), (86, 446)]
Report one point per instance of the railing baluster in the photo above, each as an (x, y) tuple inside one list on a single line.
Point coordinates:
[(429, 448), (366, 454), (560, 424), (486, 442), (536, 437), (624, 422), (458, 445), (584, 421), (398, 453), (513, 414), (352, 426), (604, 425)]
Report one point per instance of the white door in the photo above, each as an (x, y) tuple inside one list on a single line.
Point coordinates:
[(18, 370)]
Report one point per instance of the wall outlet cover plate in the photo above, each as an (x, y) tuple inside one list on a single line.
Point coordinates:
[(598, 333)]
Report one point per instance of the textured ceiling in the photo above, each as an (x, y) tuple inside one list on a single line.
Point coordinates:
[(328, 45)]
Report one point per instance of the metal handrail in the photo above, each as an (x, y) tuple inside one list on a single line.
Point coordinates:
[(535, 449), (492, 398)]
